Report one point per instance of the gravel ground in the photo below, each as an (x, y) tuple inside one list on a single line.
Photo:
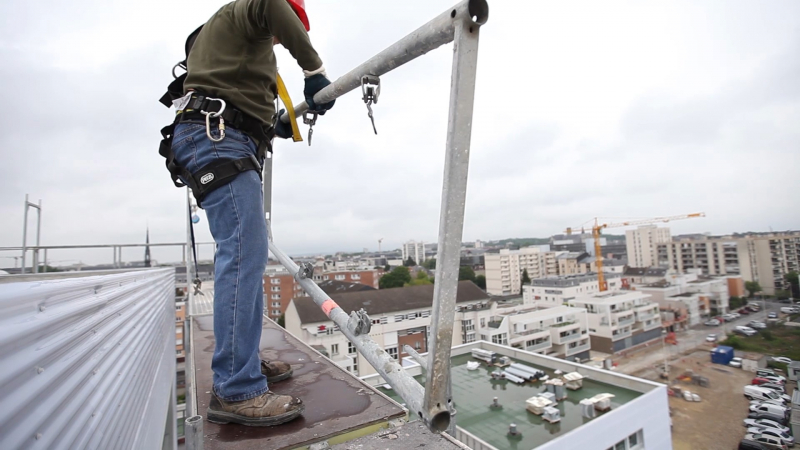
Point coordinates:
[(716, 421)]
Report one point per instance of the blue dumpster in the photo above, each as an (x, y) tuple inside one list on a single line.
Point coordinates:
[(722, 355)]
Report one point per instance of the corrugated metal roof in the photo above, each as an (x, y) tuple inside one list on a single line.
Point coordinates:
[(88, 362)]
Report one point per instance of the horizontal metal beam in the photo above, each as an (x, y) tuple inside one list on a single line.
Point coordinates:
[(432, 35), (67, 247)]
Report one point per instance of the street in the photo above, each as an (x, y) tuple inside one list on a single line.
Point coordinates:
[(688, 340)]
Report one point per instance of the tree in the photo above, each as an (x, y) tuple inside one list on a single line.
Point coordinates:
[(794, 283), (466, 273), (421, 279), (480, 280), (409, 262), (752, 287), (429, 264), (781, 294), (398, 277), (526, 279), (282, 320), (387, 268)]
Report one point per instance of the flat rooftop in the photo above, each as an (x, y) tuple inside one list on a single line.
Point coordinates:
[(338, 405), (474, 390)]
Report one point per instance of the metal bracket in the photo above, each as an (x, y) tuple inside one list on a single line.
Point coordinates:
[(359, 322), (306, 270), (310, 119), (370, 90)]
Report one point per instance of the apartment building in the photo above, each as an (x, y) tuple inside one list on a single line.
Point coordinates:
[(762, 257), (280, 287), (620, 320), (572, 263), (642, 244), (549, 292), (414, 250), (504, 268), (560, 331), (399, 316)]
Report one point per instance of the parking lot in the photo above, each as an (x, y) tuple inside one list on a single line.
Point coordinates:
[(716, 421)]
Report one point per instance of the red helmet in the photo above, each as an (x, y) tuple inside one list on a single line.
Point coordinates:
[(299, 7)]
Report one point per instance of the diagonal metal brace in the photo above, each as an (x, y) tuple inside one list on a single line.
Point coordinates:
[(359, 322)]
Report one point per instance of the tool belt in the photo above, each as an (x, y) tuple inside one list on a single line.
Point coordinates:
[(204, 109)]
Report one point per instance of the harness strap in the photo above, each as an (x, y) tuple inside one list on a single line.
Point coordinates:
[(210, 176), (283, 93)]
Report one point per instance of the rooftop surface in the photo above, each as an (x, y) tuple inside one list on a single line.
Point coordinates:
[(338, 405), (473, 391)]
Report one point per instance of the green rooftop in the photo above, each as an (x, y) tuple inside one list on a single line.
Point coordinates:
[(473, 391)]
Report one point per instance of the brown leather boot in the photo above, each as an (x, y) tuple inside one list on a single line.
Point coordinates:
[(266, 410), (276, 370)]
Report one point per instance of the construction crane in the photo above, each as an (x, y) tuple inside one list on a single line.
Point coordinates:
[(597, 227)]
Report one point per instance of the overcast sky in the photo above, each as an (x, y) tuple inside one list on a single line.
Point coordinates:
[(583, 109)]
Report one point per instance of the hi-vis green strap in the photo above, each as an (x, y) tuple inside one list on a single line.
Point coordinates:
[(287, 101)]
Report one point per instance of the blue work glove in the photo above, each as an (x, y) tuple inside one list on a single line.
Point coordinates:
[(283, 130), (314, 84)]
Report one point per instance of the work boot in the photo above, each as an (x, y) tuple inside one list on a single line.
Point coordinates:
[(266, 410), (276, 370)]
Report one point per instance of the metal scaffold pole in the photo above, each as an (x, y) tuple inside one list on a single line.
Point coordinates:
[(459, 24), (438, 398)]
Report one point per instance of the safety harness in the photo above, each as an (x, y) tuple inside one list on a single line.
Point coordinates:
[(204, 109), (198, 107)]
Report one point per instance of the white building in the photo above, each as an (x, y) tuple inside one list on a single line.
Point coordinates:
[(402, 317), (642, 244), (414, 250), (553, 291), (504, 269), (620, 320)]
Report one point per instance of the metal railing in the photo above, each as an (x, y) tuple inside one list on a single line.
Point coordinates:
[(88, 360), (461, 25)]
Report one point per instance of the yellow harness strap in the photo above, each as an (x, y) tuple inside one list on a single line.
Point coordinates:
[(287, 101)]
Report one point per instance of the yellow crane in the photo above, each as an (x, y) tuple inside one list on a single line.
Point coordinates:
[(597, 227)]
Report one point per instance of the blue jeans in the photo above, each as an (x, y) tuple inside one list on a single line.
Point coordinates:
[(236, 219)]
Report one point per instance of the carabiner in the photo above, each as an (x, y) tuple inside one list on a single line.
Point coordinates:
[(217, 114)]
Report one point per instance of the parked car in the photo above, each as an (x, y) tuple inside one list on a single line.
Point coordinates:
[(779, 388), (711, 338), (728, 317), (757, 325), (782, 359), (735, 362), (778, 402), (746, 444), (744, 331), (789, 310), (772, 315), (713, 323), (769, 408), (753, 307), (735, 315), (765, 423), (766, 373), (759, 393), (783, 420), (743, 311), (767, 441), (785, 438), (757, 381), (774, 379)]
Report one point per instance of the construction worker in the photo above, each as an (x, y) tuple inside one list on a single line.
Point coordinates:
[(224, 126)]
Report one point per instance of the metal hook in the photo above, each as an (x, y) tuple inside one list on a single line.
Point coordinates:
[(370, 90), (310, 119), (217, 114)]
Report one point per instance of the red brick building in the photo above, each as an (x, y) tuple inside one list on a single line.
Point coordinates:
[(281, 288)]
